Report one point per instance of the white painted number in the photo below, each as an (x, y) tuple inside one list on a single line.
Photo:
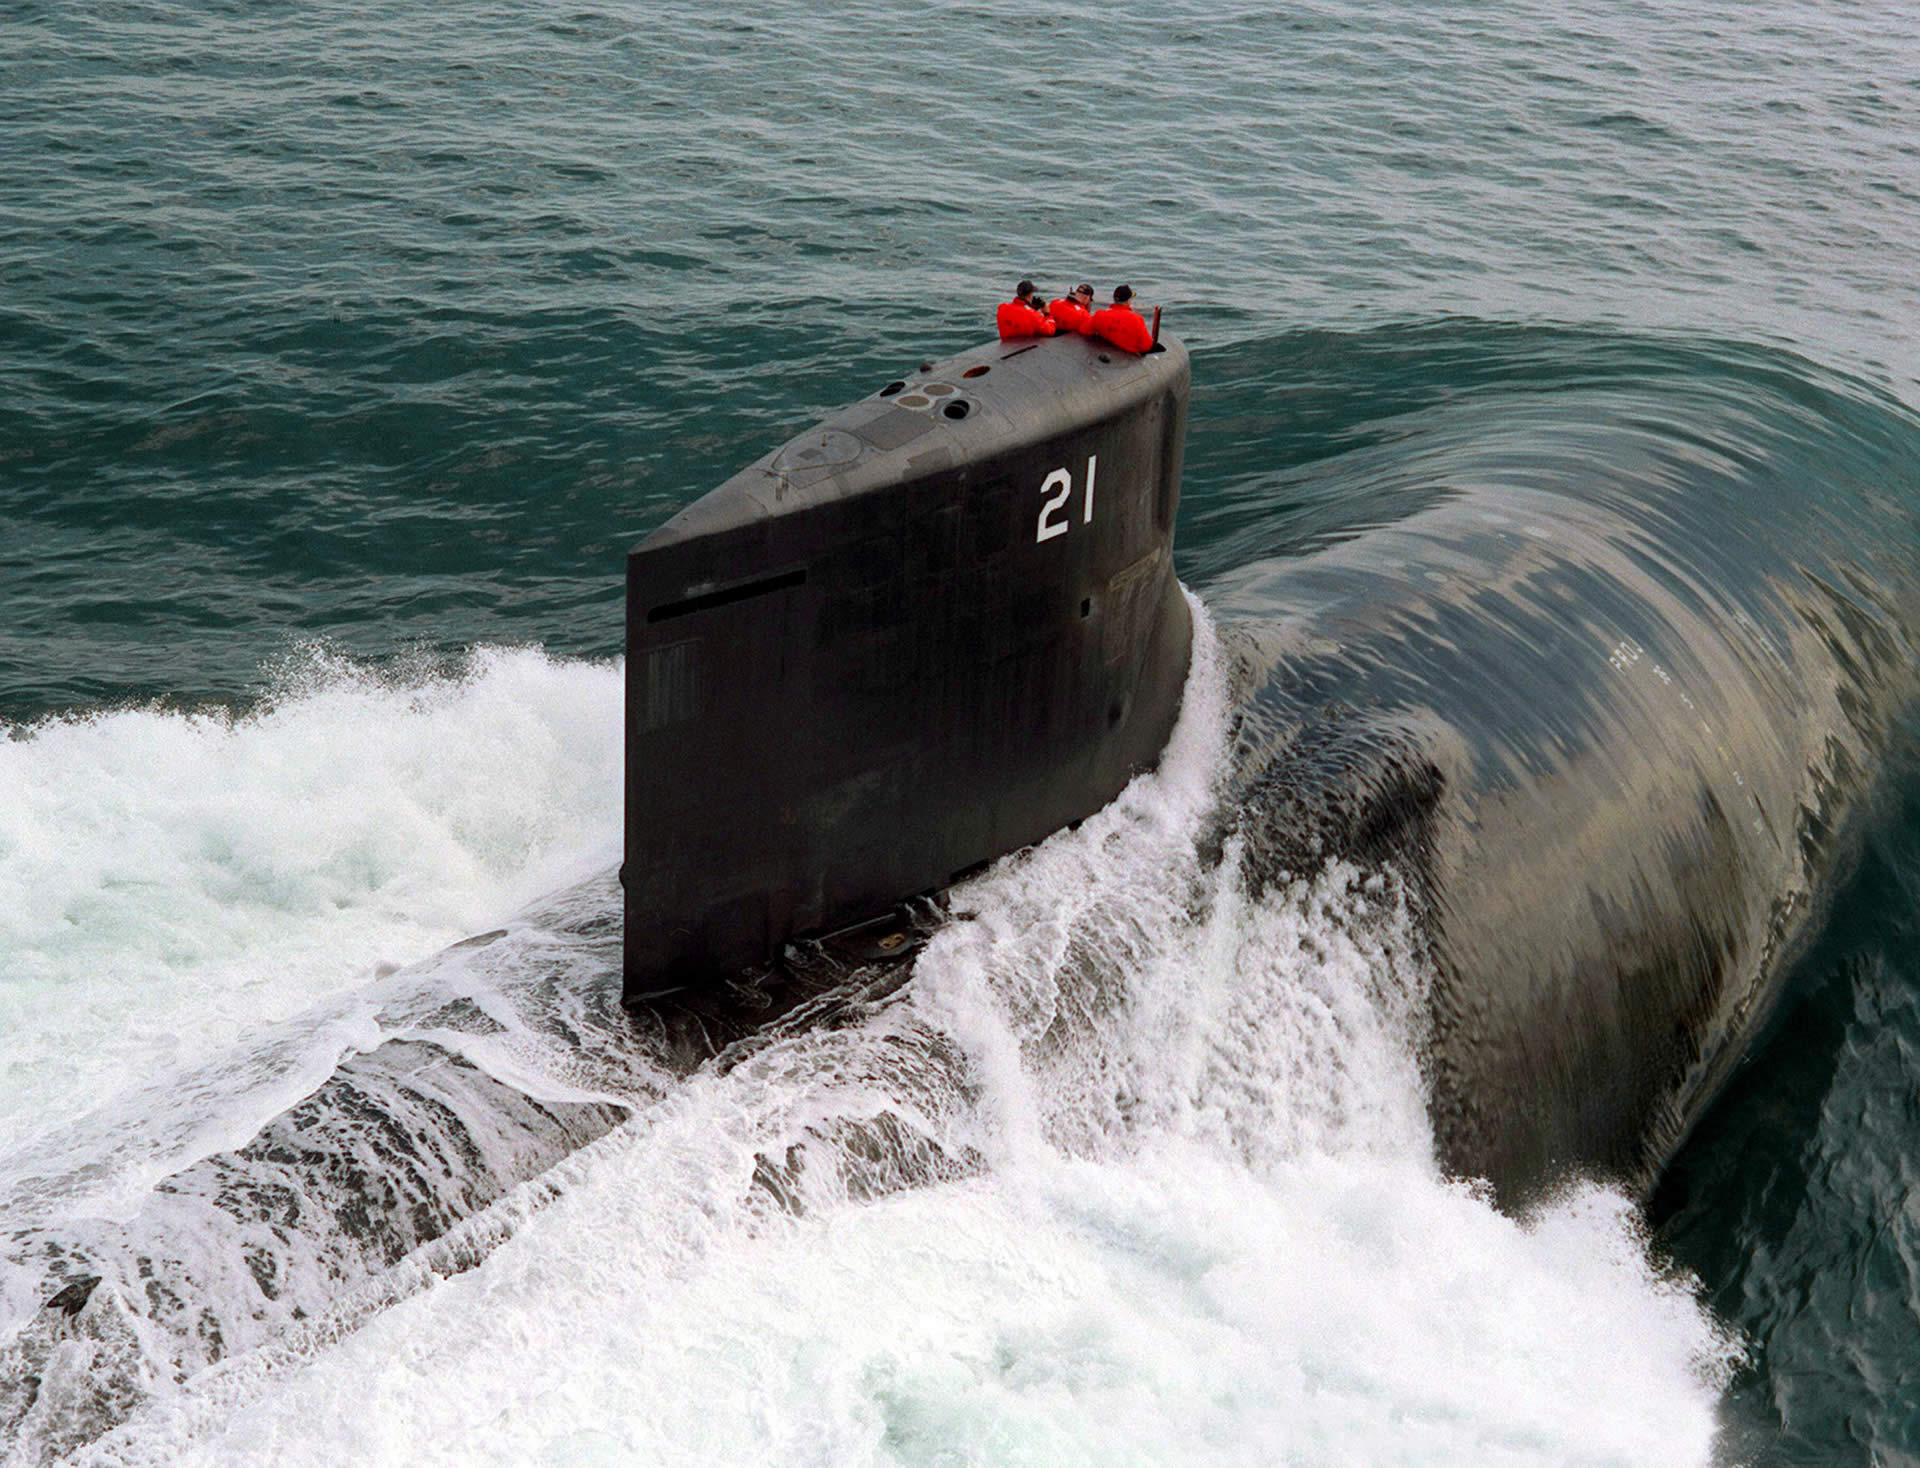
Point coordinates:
[(1059, 485), (1048, 526)]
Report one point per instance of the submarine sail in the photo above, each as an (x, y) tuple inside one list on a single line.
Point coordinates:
[(934, 628)]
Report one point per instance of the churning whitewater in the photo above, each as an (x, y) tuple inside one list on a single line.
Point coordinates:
[(1132, 1168)]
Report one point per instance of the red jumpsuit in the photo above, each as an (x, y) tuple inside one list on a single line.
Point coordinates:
[(1124, 327), (1070, 315), (1017, 319)]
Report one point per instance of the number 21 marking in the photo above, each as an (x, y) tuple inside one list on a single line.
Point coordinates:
[(1053, 518)]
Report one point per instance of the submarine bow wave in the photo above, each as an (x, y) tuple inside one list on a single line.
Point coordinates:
[(1608, 644)]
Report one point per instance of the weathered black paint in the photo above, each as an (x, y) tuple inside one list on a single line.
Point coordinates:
[(857, 668)]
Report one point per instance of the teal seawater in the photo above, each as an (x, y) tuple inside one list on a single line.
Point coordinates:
[(391, 325)]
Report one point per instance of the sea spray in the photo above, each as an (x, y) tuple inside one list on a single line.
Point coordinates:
[(170, 880), (1161, 1298), (1085, 1190)]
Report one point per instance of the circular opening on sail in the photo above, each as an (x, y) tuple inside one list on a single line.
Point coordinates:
[(937, 389), (981, 371), (957, 408), (912, 400), (891, 388)]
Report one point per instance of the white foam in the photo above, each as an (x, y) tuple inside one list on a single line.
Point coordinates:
[(169, 881), (1196, 1221)]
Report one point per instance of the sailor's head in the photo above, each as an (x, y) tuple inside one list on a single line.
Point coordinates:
[(1122, 294), (1083, 293), (1023, 290)]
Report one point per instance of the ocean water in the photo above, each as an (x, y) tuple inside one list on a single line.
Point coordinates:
[(345, 349)]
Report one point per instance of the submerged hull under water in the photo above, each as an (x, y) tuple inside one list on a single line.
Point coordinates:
[(1609, 731), (1611, 881), (1615, 694), (473, 1086)]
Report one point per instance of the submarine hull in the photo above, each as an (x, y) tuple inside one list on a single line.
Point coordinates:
[(932, 630), (1618, 812)]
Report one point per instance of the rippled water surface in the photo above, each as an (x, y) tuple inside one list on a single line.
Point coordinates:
[(345, 348)]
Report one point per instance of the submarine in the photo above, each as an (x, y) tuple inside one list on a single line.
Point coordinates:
[(935, 628), (1615, 748)]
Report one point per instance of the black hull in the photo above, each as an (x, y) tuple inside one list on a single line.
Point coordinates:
[(1619, 812), (936, 628)]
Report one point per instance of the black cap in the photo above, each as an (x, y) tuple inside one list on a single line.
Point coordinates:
[(1123, 293), (1025, 288), (1083, 290)]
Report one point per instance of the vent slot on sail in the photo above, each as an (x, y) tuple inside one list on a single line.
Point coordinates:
[(727, 595)]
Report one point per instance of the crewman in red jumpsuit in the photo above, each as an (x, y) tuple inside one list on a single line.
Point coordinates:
[(1073, 311), (1022, 317), (1121, 324)]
